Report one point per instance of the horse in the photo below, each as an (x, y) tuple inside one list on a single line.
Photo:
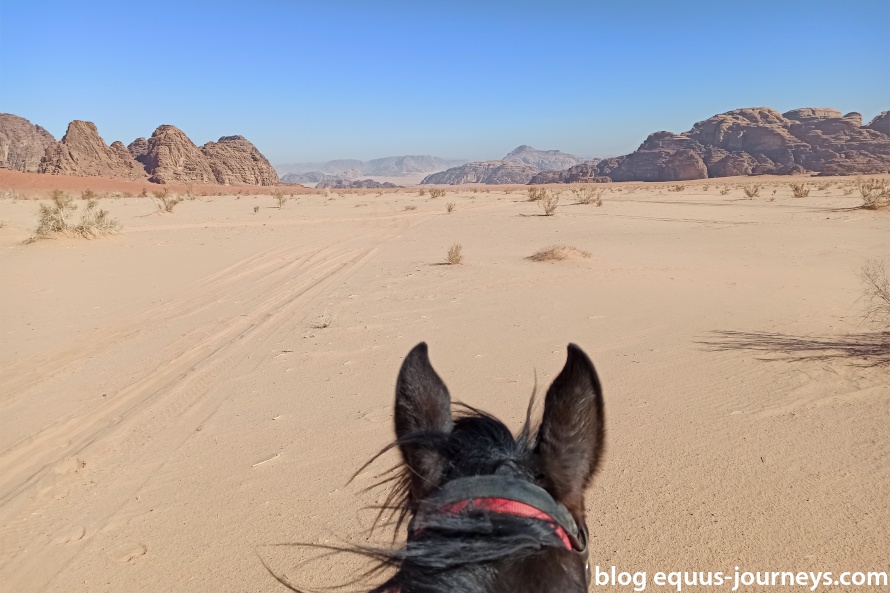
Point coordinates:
[(490, 512)]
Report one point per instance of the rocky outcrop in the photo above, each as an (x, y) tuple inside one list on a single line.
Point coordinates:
[(138, 148), (757, 141), (583, 173), (173, 158), (358, 184), (82, 152), (881, 123), (490, 172), (235, 161), (22, 144), (543, 160)]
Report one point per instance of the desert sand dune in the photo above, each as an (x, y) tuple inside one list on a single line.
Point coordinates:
[(177, 399)]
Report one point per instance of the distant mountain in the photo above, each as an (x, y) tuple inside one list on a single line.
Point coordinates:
[(488, 172), (360, 184), (391, 166), (543, 160), (308, 177)]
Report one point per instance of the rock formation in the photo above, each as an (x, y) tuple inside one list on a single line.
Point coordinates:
[(583, 173), (22, 144), (83, 152), (234, 161), (391, 166), (881, 123), (358, 184), (490, 172), (308, 177), (173, 158), (755, 141), (543, 160)]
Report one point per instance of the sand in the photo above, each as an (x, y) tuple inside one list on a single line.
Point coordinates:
[(177, 399)]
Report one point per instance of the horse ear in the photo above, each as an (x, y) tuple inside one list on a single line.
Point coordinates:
[(423, 405), (571, 437)]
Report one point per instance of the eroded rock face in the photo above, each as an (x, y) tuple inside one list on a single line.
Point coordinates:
[(234, 160), (138, 148), (82, 152), (22, 144), (881, 123), (759, 141), (490, 172), (173, 158)]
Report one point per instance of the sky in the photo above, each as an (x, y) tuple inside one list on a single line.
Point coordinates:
[(327, 79)]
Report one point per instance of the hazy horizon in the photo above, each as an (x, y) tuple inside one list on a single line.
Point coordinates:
[(353, 80)]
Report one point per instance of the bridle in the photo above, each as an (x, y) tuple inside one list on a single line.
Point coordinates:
[(504, 495)]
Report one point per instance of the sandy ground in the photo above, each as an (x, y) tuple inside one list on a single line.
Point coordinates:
[(172, 404)]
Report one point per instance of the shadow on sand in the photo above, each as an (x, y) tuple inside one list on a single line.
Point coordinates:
[(870, 349)]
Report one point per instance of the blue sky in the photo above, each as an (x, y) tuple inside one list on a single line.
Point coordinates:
[(308, 81)]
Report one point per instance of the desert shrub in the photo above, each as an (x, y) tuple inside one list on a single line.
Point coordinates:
[(324, 321), (849, 191), (436, 192), (823, 186), (752, 191), (536, 193), (875, 193), (724, 191), (95, 222), (53, 219), (449, 207), (88, 194), (256, 209), (706, 187), (549, 204), (799, 190), (677, 188), (586, 194), (557, 253), (280, 197), (876, 293), (421, 192), (410, 207), (454, 257), (166, 201)]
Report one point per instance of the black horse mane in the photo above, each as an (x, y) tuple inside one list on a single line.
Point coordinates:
[(455, 552)]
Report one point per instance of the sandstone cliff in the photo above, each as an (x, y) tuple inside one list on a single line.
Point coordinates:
[(490, 172), (83, 152), (234, 160), (759, 141), (22, 144), (582, 173)]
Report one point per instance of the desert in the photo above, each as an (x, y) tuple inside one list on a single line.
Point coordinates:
[(187, 394), (444, 297)]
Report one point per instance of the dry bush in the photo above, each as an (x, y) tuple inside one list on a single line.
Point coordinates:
[(324, 321), (875, 193), (724, 191), (558, 253), (280, 197), (410, 207), (677, 188), (536, 193), (166, 201), (876, 293), (256, 209), (88, 195), (454, 257), (799, 190), (95, 222), (422, 192), (706, 187), (823, 186), (549, 204), (586, 194), (436, 192), (143, 193), (849, 191), (53, 219), (752, 191), (449, 207)]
